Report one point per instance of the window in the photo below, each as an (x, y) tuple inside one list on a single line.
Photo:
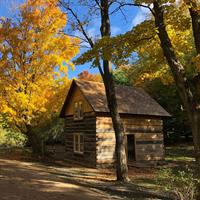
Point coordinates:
[(78, 143), (78, 110)]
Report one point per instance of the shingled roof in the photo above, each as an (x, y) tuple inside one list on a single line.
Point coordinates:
[(131, 100)]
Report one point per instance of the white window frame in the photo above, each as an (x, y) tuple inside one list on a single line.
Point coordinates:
[(78, 111), (77, 143)]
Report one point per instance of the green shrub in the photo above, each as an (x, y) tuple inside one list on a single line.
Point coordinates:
[(11, 139), (181, 183), (52, 130)]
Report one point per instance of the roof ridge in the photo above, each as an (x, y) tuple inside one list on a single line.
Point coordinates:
[(131, 99), (78, 80), (116, 85)]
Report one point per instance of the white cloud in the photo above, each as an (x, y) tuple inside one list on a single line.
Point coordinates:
[(141, 15)]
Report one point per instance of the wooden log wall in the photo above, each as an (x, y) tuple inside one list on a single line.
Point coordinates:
[(148, 138), (105, 147), (87, 127)]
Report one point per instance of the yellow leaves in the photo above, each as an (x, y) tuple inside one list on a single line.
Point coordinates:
[(196, 61), (151, 74), (180, 39), (35, 58), (7, 109), (152, 64), (63, 69), (118, 49)]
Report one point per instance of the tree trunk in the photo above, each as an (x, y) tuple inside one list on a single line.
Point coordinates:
[(196, 139), (121, 160), (179, 74), (176, 67), (106, 73), (195, 125), (195, 16), (187, 96), (36, 142)]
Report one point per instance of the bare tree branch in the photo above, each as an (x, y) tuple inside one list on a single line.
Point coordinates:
[(75, 36), (87, 38), (131, 4), (97, 2), (78, 21)]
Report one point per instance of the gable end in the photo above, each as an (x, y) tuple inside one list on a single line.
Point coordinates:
[(74, 94)]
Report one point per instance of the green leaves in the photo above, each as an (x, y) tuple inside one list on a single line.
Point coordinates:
[(181, 183), (118, 49)]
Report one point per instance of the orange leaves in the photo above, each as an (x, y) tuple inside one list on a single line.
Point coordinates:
[(85, 75), (34, 58)]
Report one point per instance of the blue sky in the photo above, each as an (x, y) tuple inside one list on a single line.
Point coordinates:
[(119, 24)]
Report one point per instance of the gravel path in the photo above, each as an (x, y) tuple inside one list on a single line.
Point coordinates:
[(30, 181)]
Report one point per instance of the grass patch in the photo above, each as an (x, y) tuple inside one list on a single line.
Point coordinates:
[(179, 160), (150, 183), (180, 153)]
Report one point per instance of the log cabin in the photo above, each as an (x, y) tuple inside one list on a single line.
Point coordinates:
[(90, 138)]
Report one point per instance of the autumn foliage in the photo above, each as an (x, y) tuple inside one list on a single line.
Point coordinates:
[(35, 55), (87, 76)]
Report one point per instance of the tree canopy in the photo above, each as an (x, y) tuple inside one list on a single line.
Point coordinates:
[(35, 55)]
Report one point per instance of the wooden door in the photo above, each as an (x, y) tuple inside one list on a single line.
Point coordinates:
[(131, 147)]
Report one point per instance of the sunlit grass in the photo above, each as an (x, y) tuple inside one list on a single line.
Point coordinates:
[(176, 153)]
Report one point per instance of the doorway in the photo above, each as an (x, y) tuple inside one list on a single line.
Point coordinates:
[(131, 148)]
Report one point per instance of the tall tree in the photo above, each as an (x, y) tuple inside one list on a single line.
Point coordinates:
[(187, 86), (193, 6), (34, 58), (159, 28), (102, 7), (172, 41), (178, 72), (189, 96)]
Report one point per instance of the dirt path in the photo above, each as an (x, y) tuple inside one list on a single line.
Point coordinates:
[(29, 181)]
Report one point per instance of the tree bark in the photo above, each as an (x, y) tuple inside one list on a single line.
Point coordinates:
[(121, 160), (195, 124), (178, 72), (195, 16), (184, 88), (35, 141), (176, 67), (106, 73)]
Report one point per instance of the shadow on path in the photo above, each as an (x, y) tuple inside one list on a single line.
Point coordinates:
[(29, 181)]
